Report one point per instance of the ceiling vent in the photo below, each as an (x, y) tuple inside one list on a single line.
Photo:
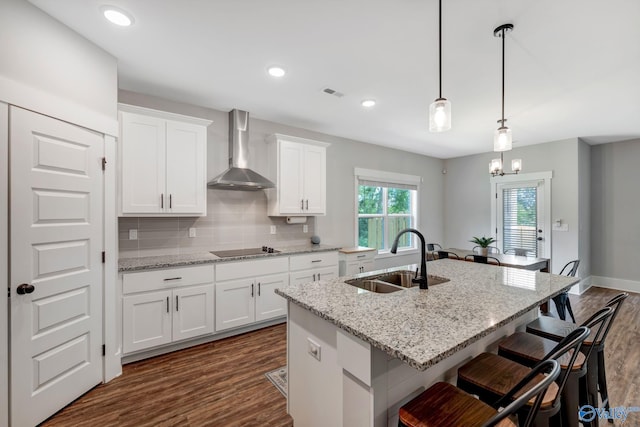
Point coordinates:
[(333, 92)]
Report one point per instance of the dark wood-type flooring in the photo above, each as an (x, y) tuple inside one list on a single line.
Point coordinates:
[(223, 383)]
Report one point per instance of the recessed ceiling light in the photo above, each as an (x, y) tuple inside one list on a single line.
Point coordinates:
[(117, 16), (276, 71), (368, 103)]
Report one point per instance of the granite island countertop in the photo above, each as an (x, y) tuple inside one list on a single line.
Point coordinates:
[(168, 261), (423, 327)]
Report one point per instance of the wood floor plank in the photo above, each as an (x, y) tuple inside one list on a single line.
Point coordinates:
[(223, 383)]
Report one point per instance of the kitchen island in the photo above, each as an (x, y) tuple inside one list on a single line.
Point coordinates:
[(354, 356)]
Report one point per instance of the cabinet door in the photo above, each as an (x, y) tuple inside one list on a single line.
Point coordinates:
[(315, 181), (353, 267), (367, 265), (186, 168), (291, 178), (235, 304), (268, 303), (146, 320), (328, 273), (192, 312), (142, 140)]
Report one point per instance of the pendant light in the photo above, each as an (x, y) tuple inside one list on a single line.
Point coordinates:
[(502, 140), (440, 109)]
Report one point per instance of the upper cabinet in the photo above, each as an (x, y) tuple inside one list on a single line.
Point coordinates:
[(163, 158), (298, 168)]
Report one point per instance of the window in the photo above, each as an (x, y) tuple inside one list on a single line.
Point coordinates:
[(385, 208), (520, 219)]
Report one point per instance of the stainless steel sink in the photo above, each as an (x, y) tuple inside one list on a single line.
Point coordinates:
[(392, 282)]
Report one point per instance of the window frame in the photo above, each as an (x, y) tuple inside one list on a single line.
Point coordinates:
[(389, 178)]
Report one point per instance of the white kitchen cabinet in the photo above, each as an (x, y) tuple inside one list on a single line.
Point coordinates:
[(356, 260), (298, 168), (164, 306), (245, 292), (313, 267), (163, 163)]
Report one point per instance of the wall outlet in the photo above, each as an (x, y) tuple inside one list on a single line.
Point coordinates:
[(305, 228), (313, 348), (192, 232), (273, 229), (133, 234), (561, 227)]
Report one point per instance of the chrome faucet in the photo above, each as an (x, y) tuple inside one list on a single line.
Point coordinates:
[(422, 279)]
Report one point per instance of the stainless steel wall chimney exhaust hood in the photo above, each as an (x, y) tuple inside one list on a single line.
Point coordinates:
[(239, 176)]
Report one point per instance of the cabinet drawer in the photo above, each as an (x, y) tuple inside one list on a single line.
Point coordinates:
[(360, 256), (166, 278), (251, 268), (316, 260)]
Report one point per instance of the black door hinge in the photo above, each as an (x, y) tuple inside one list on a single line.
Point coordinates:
[(103, 257), (104, 350), (104, 163)]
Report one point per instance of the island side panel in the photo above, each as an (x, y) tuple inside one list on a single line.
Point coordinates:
[(315, 386)]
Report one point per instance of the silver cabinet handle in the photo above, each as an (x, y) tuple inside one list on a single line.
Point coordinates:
[(301, 204), (316, 260), (318, 276), (172, 278), (258, 288), (361, 256), (252, 290), (314, 277), (162, 201), (167, 304), (307, 207), (170, 203), (177, 309)]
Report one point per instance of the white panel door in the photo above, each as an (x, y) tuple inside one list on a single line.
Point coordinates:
[(315, 181), (56, 267), (192, 312), (146, 320), (186, 168), (143, 146), (235, 305), (291, 177), (268, 303)]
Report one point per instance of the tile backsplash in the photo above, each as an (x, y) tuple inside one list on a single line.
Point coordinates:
[(235, 220)]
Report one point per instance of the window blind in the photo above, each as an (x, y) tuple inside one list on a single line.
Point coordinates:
[(520, 219), (371, 183)]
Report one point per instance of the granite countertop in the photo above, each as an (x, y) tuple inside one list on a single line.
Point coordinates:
[(423, 327), (167, 261)]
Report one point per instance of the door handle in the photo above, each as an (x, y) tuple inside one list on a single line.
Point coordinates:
[(162, 201), (318, 276), (301, 204), (307, 205), (170, 203), (314, 277), (167, 304), (177, 309), (25, 288), (258, 288), (252, 290), (539, 238)]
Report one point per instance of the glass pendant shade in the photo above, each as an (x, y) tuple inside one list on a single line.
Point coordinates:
[(495, 166), (502, 139), (516, 165), (440, 115)]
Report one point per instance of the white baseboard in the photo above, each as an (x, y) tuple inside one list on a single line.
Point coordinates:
[(619, 284), (581, 287)]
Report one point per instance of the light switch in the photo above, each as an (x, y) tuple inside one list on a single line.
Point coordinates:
[(133, 234), (273, 229), (192, 232), (313, 348), (305, 228)]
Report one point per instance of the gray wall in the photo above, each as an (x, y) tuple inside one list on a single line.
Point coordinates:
[(41, 56), (584, 208), (615, 210), (238, 219), (467, 198)]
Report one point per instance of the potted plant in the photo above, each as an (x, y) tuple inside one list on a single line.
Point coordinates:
[(483, 242)]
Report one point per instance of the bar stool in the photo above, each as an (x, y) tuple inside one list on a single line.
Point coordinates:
[(489, 376), (528, 349), (562, 301), (447, 254), (443, 405), (483, 259), (555, 329)]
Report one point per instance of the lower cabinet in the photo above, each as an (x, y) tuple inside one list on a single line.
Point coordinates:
[(314, 275), (163, 306), (245, 296), (313, 267)]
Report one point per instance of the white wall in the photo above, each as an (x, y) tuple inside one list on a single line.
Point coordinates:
[(584, 201), (338, 226), (467, 198), (615, 209), (47, 67)]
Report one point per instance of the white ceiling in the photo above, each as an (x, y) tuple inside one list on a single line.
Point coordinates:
[(573, 66)]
